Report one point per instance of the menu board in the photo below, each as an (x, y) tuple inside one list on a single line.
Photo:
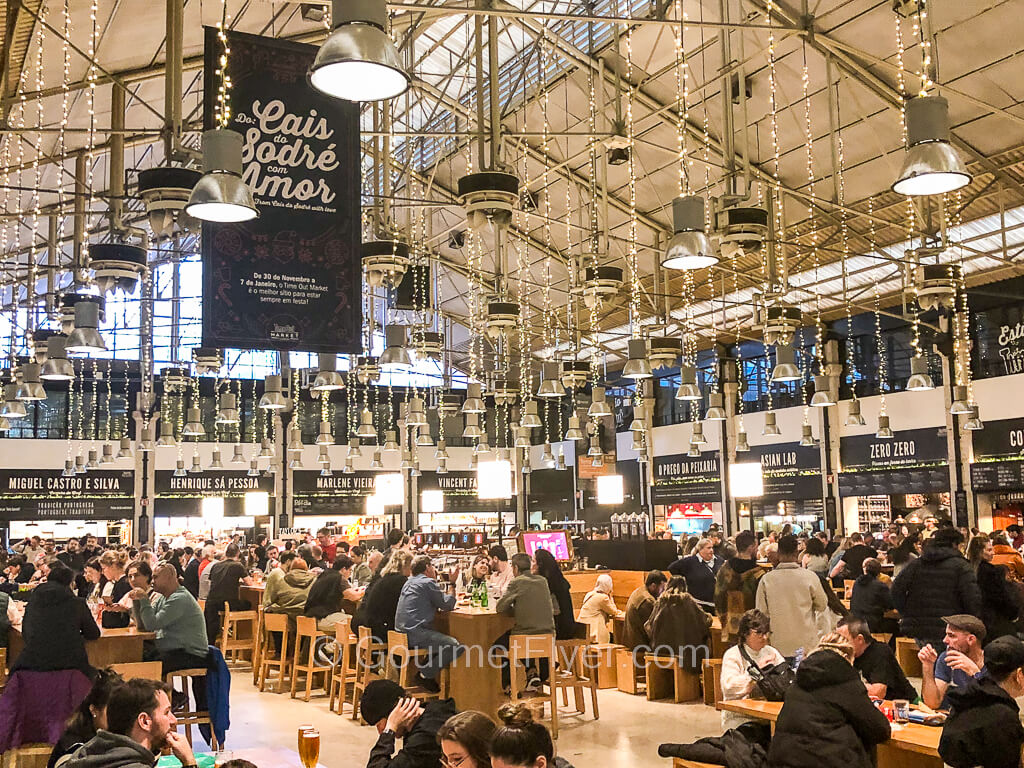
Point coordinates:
[(789, 470), (681, 479), (895, 481), (992, 476), (66, 508)]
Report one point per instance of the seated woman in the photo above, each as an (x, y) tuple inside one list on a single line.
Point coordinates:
[(465, 739), (599, 608), (679, 626), (827, 717), (737, 683), (140, 576), (380, 602), (566, 627), (90, 716), (871, 598), (56, 626), (522, 743), (477, 574)]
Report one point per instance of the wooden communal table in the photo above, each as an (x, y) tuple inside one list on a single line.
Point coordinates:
[(911, 745), (114, 646), (475, 683)]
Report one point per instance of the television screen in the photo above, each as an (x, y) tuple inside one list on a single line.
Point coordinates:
[(555, 542)]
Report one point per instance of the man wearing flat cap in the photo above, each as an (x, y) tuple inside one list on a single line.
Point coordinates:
[(984, 727), (962, 660)]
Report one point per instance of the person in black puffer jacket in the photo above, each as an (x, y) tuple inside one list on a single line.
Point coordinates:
[(999, 603), (827, 718), (939, 583), (984, 726), (871, 599)]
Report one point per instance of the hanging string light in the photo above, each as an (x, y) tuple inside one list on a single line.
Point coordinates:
[(682, 98), (634, 268)]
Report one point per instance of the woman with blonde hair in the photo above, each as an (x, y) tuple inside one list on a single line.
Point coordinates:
[(827, 717), (599, 608), (380, 602), (113, 564)]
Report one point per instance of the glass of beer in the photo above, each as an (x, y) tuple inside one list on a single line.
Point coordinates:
[(309, 746)]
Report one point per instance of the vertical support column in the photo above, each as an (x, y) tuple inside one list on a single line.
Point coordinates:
[(647, 399), (282, 510), (727, 442)]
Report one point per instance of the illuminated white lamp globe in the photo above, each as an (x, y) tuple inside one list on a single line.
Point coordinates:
[(931, 166)]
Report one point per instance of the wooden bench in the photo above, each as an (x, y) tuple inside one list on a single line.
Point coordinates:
[(712, 682), (667, 679), (906, 655), (601, 662)]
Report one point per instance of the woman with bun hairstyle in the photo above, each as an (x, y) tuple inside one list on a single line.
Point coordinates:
[(113, 564), (464, 740), (522, 743)]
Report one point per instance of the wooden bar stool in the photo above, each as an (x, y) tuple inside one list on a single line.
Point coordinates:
[(235, 643), (576, 672), (365, 650), (630, 672), (145, 670), (402, 658), (191, 715), (304, 656), (600, 660), (257, 646), (26, 756), (275, 622), (524, 648), (667, 679), (712, 669), (345, 670)]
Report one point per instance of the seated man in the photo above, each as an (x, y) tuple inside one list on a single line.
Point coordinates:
[(984, 726), (325, 595), (419, 602), (139, 725), (876, 663), (962, 660), (638, 611), (385, 705), (530, 602), (176, 618), (18, 571)]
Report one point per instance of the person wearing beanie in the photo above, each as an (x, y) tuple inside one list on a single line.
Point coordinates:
[(384, 704), (984, 727)]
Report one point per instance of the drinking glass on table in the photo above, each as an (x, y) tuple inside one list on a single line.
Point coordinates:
[(309, 746)]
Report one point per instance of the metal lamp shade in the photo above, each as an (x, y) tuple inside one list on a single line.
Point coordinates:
[(973, 421), (854, 418), (884, 430), (785, 364), (688, 389), (742, 446), (193, 424), (960, 406), (358, 61), (574, 430), (354, 451), (327, 377), (391, 441), (531, 418), (472, 428), (637, 365), (697, 437), (931, 166), (85, 338), (822, 397), (295, 440), (166, 435), (598, 404), (716, 407), (57, 366), (474, 402), (124, 450), (689, 248), (221, 196), (272, 398), (30, 388), (366, 428), (237, 457), (919, 380), (771, 428), (395, 356), (807, 436), (551, 386), (215, 462), (179, 468), (325, 438), (228, 411)]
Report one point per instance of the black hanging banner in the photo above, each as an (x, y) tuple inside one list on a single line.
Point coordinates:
[(682, 479), (225, 482), (289, 279), (791, 471), (45, 494), (911, 447), (1000, 439)]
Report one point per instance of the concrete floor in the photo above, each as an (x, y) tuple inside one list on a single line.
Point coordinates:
[(626, 736)]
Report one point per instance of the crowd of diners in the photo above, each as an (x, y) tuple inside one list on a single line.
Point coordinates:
[(957, 597)]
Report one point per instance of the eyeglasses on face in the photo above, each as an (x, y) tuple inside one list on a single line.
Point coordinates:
[(453, 762)]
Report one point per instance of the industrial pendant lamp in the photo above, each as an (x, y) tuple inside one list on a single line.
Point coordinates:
[(238, 457), (474, 402), (551, 384), (272, 398), (822, 397), (197, 468), (366, 428), (595, 446), (325, 470), (69, 469), (358, 61), (853, 416), (85, 338), (807, 437), (919, 380), (107, 454), (391, 441), (531, 416), (694, 452), (547, 458), (416, 417), (166, 434), (560, 462), (742, 446), (697, 437), (254, 469), (375, 462), (574, 430), (598, 405), (960, 406), (771, 428), (12, 408), (884, 430), (689, 248), (639, 423), (354, 451), (442, 467), (395, 357), (221, 196), (295, 440), (228, 411), (442, 450), (482, 446), (215, 462), (179, 468), (637, 365), (785, 364), (124, 451), (325, 437), (327, 377), (523, 437), (973, 421), (30, 388), (716, 407), (423, 438), (57, 366), (147, 442), (688, 389), (266, 449), (472, 428), (193, 424), (931, 165)]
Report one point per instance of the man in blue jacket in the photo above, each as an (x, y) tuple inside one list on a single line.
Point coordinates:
[(700, 570)]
